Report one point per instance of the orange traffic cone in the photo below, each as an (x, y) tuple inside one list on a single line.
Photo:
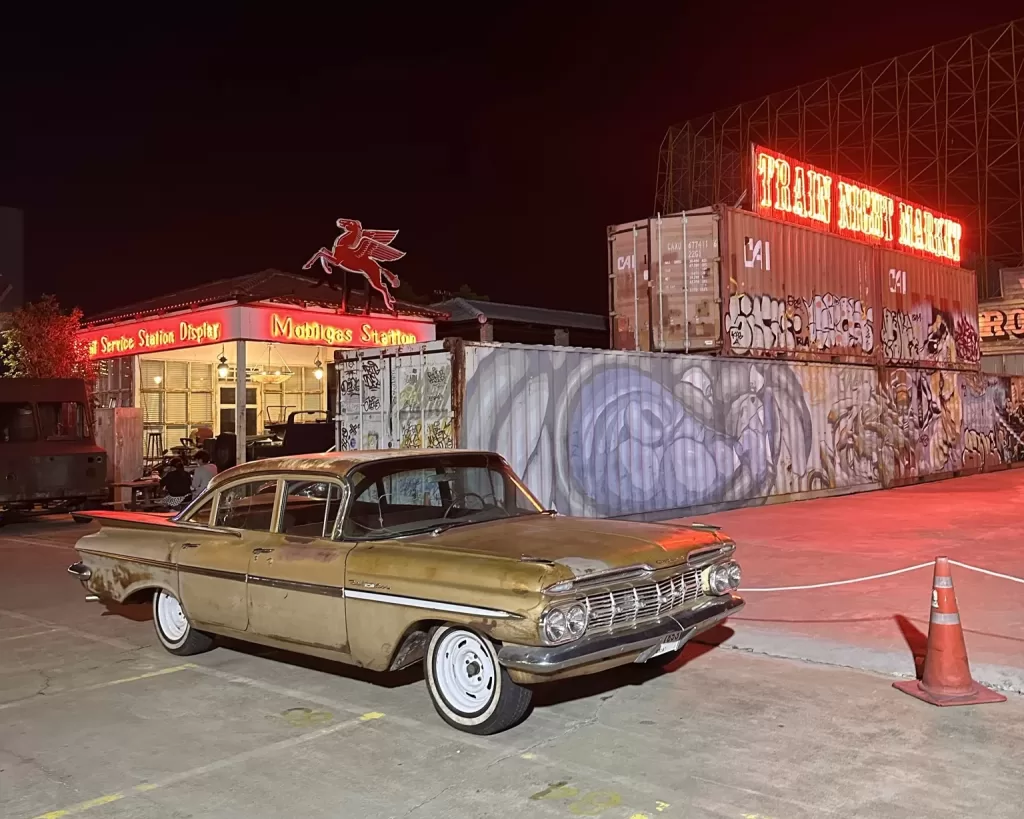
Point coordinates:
[(947, 676)]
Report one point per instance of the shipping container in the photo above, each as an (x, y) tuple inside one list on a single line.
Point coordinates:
[(651, 435), (761, 288), (929, 315), (630, 304), (797, 293)]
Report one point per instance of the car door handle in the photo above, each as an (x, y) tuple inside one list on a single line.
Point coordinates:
[(189, 545), (261, 551)]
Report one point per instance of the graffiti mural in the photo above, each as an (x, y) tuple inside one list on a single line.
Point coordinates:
[(929, 335), (606, 434), (824, 323)]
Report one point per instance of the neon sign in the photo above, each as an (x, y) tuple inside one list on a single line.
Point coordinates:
[(252, 323), (325, 329), (800, 193), (153, 335)]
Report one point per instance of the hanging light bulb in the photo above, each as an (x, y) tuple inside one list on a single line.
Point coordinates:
[(222, 365), (318, 373), (157, 379)]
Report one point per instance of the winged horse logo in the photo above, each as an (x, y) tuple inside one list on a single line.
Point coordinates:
[(361, 251)]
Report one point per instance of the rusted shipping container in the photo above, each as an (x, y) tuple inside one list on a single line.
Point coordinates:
[(629, 272), (674, 304), (929, 313), (759, 288), (797, 294)]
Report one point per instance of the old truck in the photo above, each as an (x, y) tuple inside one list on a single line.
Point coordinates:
[(49, 460)]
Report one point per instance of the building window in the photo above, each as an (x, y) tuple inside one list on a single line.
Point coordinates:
[(114, 386), (177, 398), (302, 391)]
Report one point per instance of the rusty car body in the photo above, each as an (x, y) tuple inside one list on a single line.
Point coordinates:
[(49, 459), (385, 558)]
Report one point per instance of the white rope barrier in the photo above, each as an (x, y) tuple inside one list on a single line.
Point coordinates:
[(886, 574)]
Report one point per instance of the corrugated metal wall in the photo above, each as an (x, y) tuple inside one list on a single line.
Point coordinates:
[(797, 293), (760, 288), (929, 313), (629, 434), (651, 435), (395, 398)]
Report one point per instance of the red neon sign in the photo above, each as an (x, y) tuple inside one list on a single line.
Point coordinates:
[(160, 333), (253, 323), (800, 193)]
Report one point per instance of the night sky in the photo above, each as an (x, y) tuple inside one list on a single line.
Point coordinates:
[(151, 155)]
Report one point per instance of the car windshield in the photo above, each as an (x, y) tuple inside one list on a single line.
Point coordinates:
[(411, 495)]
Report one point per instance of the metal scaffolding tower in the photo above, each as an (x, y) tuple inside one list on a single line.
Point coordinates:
[(942, 126)]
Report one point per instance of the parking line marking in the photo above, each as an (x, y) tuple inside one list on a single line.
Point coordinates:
[(370, 716), (46, 544), (81, 807), (30, 634), (192, 773), (124, 645), (96, 686)]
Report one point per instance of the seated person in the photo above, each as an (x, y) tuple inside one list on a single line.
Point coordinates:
[(177, 483), (204, 471)]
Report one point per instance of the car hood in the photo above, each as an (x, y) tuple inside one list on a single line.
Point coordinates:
[(583, 546)]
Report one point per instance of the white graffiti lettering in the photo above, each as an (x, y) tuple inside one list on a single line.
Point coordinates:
[(823, 322), (899, 337)]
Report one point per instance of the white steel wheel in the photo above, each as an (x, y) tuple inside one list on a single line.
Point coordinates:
[(469, 688), (173, 628)]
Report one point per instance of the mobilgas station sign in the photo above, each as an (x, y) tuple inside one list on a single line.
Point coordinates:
[(261, 322)]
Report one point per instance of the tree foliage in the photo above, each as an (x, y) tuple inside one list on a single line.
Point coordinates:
[(42, 342)]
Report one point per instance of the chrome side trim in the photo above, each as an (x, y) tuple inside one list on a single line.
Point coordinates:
[(430, 605), (142, 561), (295, 585)]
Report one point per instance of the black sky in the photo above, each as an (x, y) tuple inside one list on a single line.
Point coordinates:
[(150, 155)]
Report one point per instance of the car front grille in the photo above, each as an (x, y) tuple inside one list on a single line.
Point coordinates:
[(626, 607)]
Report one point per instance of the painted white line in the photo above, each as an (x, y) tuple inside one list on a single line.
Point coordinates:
[(96, 686), (30, 634), (124, 645), (26, 541), (202, 770)]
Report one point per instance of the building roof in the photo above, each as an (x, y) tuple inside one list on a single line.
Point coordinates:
[(267, 285), (460, 309)]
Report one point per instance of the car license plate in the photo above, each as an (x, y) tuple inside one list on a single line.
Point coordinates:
[(670, 645)]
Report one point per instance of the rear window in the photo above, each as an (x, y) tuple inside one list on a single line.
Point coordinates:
[(62, 420), (17, 422)]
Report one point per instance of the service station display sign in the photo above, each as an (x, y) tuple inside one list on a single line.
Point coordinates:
[(271, 323), (797, 192)]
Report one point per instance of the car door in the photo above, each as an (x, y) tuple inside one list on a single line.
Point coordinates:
[(213, 554), (297, 580)]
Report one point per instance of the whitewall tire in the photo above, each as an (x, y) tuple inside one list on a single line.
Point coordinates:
[(468, 686), (173, 629)]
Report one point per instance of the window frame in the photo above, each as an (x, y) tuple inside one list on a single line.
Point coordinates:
[(453, 458), (310, 477)]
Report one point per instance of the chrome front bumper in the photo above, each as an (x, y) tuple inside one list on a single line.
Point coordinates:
[(644, 640)]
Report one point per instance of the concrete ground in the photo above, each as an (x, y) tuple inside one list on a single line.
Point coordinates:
[(97, 721), (881, 625)]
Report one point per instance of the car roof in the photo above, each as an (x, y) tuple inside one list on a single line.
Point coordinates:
[(333, 463)]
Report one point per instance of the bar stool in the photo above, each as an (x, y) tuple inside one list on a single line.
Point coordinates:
[(154, 447)]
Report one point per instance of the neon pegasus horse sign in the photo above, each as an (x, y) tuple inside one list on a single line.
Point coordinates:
[(361, 251)]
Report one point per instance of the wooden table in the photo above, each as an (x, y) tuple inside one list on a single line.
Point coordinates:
[(144, 488)]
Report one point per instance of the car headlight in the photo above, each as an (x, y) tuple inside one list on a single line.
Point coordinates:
[(561, 624), (576, 620), (723, 577)]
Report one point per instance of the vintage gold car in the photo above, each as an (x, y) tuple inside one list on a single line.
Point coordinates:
[(383, 559)]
